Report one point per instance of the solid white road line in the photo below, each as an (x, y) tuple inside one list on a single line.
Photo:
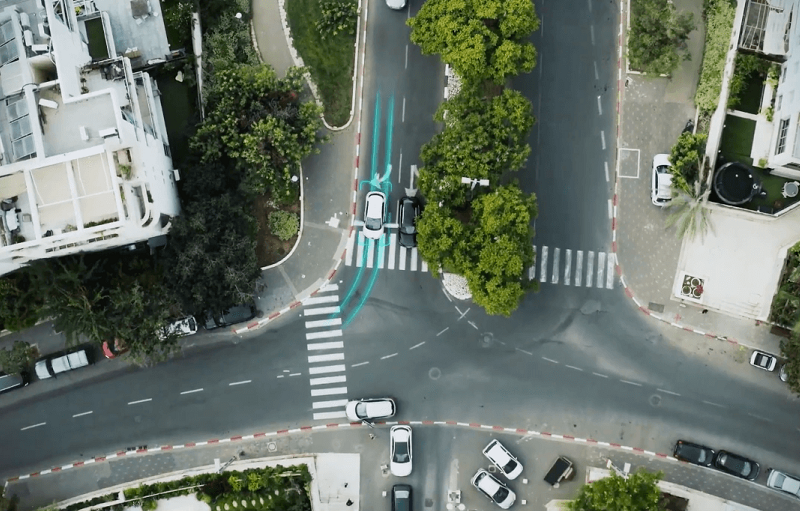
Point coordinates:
[(81, 414), (567, 267), (599, 104), (325, 345), (140, 401), (351, 244), (631, 383), (328, 392), (325, 334), (610, 272), (392, 245), (417, 345), (668, 392), (360, 364), (573, 367), (327, 369), (33, 426), (550, 360), (313, 300), (589, 268), (321, 310), (360, 250), (389, 356), (239, 382), (579, 268), (329, 357), (329, 415), (605, 164), (370, 253), (601, 267), (402, 256), (610, 210), (600, 375), (403, 119), (191, 391), (543, 266), (596, 74), (414, 259), (556, 257), (327, 288), (328, 379), (603, 139), (324, 322), (333, 403), (443, 331)]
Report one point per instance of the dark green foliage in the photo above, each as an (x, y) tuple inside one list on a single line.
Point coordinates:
[(790, 349), (638, 492), (91, 502), (19, 358), (719, 16), (686, 158), (338, 17), (20, 304), (786, 303), (745, 66), (284, 224), (657, 39)]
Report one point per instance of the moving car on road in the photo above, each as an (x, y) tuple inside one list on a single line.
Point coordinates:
[(694, 453), (409, 211), (494, 490), (661, 186), (374, 215), (737, 465), (503, 459), (401, 497), (56, 364), (782, 481), (400, 450), (370, 409), (763, 360)]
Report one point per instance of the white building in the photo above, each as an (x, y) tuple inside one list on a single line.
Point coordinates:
[(85, 162), (772, 28)]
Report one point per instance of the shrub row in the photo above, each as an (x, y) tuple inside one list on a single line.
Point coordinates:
[(719, 16)]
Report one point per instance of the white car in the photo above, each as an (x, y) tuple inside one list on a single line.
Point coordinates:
[(180, 327), (782, 481), (661, 188), (763, 360), (374, 215), (400, 450), (370, 409), (396, 4), (494, 490), (503, 460)]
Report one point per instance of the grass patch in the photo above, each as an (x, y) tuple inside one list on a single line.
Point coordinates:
[(719, 16), (752, 90), (737, 139), (329, 59), (178, 101)]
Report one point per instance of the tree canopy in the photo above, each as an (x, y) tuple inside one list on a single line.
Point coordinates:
[(686, 159), (658, 36), (481, 39), (638, 492)]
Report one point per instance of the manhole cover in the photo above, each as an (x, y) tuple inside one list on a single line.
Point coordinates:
[(428, 502), (486, 339), (655, 307), (655, 400), (272, 447), (434, 373)]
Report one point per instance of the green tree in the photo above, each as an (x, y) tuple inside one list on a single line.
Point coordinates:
[(790, 350), (442, 239), (338, 16), (483, 138), (17, 359), (686, 159), (480, 39), (20, 303), (8, 503), (260, 124), (638, 492), (689, 215), (658, 36)]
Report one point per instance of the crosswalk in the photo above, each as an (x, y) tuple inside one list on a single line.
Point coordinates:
[(325, 356), (577, 268), (384, 253)]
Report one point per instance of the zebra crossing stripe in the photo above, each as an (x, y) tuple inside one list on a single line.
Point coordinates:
[(532, 269), (370, 253), (316, 346), (381, 251), (328, 379), (414, 259), (321, 310), (324, 322), (325, 334), (556, 255), (589, 268), (424, 266), (360, 252), (392, 244), (403, 251), (543, 271), (332, 391), (329, 415), (351, 243), (579, 268), (610, 272), (338, 368), (313, 359), (327, 288), (568, 266), (313, 300), (333, 403), (601, 267)]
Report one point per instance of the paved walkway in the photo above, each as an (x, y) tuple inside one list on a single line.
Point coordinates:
[(653, 113)]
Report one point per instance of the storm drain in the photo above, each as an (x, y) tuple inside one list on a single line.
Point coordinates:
[(655, 307)]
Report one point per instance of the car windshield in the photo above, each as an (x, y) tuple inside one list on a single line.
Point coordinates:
[(746, 468), (373, 224), (401, 452), (662, 169), (510, 466), (701, 455), (361, 409), (501, 494)]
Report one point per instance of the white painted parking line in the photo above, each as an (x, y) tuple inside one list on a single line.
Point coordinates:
[(413, 259), (326, 369), (328, 379), (327, 288), (579, 268), (329, 391), (543, 266), (328, 357), (325, 334), (313, 300), (325, 345), (610, 271), (351, 245), (324, 322), (392, 253), (333, 403), (329, 415), (321, 310), (589, 268), (567, 266), (360, 250), (601, 267), (370, 253), (556, 257)]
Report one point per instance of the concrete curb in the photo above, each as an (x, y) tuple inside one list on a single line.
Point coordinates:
[(621, 59), (307, 429), (299, 233)]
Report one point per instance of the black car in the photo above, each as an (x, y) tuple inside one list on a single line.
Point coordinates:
[(409, 211), (694, 453), (401, 497), (736, 465), (236, 314)]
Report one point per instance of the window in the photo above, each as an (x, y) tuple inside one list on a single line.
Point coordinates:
[(778, 102), (782, 130)]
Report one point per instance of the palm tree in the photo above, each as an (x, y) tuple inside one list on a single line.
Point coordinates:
[(690, 215)]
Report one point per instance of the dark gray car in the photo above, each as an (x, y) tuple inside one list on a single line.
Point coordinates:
[(409, 211), (234, 315)]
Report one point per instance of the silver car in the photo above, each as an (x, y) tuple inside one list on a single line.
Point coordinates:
[(782, 481)]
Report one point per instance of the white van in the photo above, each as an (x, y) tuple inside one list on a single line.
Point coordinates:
[(56, 364)]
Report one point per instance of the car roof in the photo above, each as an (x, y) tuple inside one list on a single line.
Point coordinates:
[(498, 453), (375, 202), (664, 186), (383, 407), (488, 484), (401, 433)]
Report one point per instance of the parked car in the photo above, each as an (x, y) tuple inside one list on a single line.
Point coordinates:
[(234, 315), (180, 327), (409, 211), (493, 489), (370, 409), (661, 186), (57, 364), (763, 360), (503, 459), (400, 450), (737, 465), (9, 382), (401, 497), (782, 481), (694, 453), (784, 376), (115, 349), (374, 215)]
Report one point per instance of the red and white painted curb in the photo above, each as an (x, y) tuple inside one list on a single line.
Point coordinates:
[(621, 71), (307, 429)]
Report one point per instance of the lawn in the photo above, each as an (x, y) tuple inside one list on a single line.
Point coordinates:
[(329, 59), (737, 139)]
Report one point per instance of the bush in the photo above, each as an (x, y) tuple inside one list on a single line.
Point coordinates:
[(19, 358), (686, 157), (658, 36), (719, 15), (284, 224), (746, 65), (338, 17)]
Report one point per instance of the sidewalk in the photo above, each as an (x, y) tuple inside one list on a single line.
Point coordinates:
[(653, 113)]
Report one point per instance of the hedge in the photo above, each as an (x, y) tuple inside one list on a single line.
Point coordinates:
[(719, 16)]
